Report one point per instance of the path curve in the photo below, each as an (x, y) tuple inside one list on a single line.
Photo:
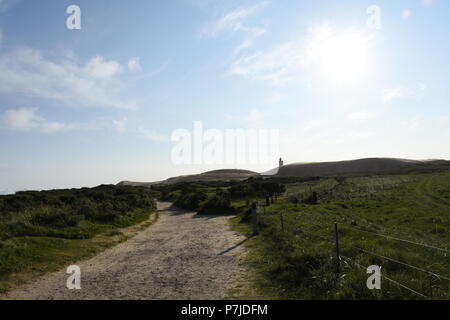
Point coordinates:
[(181, 256)]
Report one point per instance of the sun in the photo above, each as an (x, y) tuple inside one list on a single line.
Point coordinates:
[(342, 58)]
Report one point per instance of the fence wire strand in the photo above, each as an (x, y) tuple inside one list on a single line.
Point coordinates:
[(330, 241), (399, 239), (400, 262), (389, 279)]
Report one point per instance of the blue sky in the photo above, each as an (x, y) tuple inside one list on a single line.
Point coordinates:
[(99, 105)]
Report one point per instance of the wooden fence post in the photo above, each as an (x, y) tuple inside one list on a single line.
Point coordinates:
[(254, 219), (338, 259)]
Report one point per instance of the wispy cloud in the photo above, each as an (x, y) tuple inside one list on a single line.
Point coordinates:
[(289, 60), (96, 83), (403, 92), (134, 65), (156, 71), (28, 120), (391, 94), (275, 65), (98, 67), (234, 21)]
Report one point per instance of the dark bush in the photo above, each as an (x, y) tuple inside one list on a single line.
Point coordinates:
[(191, 200), (218, 204)]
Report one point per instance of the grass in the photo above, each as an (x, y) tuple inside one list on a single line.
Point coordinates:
[(22, 259), (293, 257)]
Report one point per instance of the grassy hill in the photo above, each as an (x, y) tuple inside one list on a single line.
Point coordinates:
[(304, 170), (361, 166)]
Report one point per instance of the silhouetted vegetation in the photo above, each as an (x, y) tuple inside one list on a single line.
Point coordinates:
[(215, 197)]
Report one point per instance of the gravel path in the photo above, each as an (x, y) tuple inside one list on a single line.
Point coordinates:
[(181, 256)]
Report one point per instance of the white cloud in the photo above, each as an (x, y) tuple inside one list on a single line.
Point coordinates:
[(338, 55), (244, 45), (391, 94), (27, 72), (275, 65), (97, 67), (234, 21), (402, 92), (134, 64), (27, 119)]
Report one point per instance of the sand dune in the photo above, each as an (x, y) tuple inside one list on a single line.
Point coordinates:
[(216, 175), (313, 169), (360, 166)]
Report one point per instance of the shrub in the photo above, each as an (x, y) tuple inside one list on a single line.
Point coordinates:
[(218, 204), (191, 200), (58, 213)]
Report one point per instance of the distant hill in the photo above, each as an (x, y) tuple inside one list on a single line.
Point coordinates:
[(313, 169), (216, 175), (360, 166)]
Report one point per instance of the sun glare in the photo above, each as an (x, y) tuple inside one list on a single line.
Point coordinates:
[(342, 58)]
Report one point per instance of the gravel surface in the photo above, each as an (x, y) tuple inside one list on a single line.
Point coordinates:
[(181, 256)]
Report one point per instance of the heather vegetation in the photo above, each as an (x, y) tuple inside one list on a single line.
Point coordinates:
[(42, 231)]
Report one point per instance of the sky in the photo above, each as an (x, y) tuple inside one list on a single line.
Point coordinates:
[(336, 80)]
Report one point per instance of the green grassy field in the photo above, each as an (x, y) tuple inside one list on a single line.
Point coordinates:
[(294, 257)]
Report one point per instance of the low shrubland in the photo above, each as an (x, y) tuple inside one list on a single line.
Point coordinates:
[(44, 230)]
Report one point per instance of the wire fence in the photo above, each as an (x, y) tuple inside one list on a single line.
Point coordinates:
[(389, 279), (403, 240), (338, 256)]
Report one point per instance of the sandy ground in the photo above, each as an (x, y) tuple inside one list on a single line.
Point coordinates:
[(181, 256)]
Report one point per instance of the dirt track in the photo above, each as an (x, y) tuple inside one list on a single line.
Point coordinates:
[(181, 256)]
